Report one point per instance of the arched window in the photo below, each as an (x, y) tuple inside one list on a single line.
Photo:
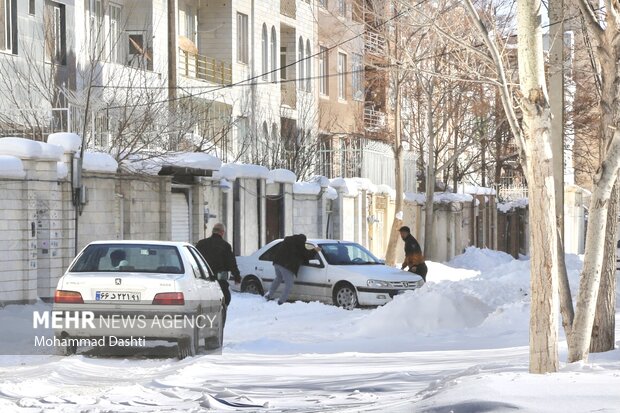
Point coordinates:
[(265, 44), (308, 67), (274, 55), (300, 65)]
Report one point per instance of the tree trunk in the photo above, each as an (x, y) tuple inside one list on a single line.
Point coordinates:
[(543, 232), (390, 254), (603, 330), (430, 174), (593, 259)]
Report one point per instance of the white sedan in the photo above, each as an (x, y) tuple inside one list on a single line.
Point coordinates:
[(342, 273), (127, 292)]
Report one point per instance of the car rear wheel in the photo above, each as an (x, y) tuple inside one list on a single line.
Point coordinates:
[(345, 296), (188, 346), (252, 285), (216, 342)]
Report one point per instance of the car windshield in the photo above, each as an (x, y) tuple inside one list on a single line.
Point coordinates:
[(129, 258), (347, 254)]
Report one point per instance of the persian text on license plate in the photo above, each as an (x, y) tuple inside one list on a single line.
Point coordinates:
[(117, 296)]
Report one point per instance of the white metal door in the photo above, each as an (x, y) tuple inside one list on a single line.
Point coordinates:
[(180, 217)]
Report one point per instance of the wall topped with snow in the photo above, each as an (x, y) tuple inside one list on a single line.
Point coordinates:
[(438, 197), (29, 149), (506, 207), (11, 167), (99, 162), (281, 176), (198, 160), (70, 142), (476, 190), (232, 171)]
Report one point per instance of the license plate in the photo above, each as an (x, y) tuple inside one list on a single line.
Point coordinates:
[(117, 296)]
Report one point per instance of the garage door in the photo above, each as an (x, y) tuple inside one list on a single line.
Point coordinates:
[(180, 217)]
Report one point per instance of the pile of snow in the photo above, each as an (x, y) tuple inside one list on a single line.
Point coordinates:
[(70, 142), (199, 160), (476, 190), (282, 176), (29, 149), (99, 162), (232, 171)]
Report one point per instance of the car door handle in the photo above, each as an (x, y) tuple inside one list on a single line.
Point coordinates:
[(258, 269)]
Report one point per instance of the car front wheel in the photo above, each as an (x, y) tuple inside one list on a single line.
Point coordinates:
[(252, 285), (345, 296)]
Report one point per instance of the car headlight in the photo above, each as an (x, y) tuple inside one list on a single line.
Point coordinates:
[(378, 283)]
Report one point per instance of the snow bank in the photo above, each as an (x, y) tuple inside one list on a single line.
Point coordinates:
[(198, 160), (306, 188)]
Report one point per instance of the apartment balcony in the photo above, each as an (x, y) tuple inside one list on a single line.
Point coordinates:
[(201, 67), (374, 43), (288, 8), (289, 94), (374, 120)]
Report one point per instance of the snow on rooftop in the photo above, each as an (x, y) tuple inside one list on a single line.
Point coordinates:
[(232, 171), (70, 142), (99, 162), (29, 149), (512, 205), (281, 176), (11, 167)]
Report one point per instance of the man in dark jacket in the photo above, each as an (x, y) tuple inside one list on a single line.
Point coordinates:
[(289, 256), (220, 257), (413, 254)]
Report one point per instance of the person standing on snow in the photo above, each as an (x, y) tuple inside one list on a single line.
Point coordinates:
[(289, 256), (413, 254), (220, 257)]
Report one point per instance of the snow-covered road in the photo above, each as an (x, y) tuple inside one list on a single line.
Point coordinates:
[(459, 344)]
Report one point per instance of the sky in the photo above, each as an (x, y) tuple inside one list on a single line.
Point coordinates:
[(458, 344)]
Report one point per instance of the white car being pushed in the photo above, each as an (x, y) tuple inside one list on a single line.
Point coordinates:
[(133, 291), (343, 273)]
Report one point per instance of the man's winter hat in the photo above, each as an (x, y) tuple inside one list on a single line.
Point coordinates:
[(406, 229)]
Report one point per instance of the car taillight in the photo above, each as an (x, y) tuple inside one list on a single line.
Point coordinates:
[(68, 297), (169, 299)]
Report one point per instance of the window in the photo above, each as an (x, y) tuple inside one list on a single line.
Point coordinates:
[(283, 63), (274, 55), (269, 255), (98, 28), (342, 76), (31, 7), (324, 71), (136, 50), (115, 33), (242, 130), (242, 38), (8, 26), (308, 67), (265, 50), (56, 33), (190, 25), (300, 65), (357, 78), (342, 7)]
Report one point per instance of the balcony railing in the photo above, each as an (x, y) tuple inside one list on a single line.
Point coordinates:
[(288, 8), (289, 94), (204, 68), (374, 43), (373, 119)]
